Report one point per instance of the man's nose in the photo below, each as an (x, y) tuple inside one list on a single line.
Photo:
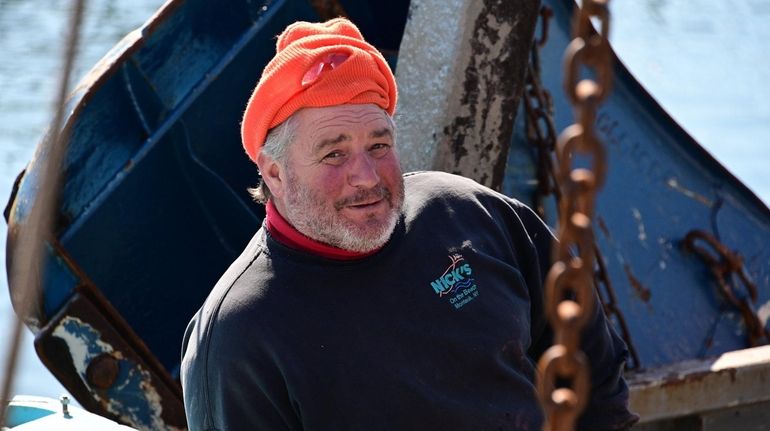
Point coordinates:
[(363, 172)]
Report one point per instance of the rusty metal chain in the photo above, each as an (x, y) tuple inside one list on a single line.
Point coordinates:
[(726, 266), (610, 306), (546, 13), (541, 133), (563, 381), (538, 109)]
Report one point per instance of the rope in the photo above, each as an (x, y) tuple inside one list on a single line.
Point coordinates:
[(29, 247)]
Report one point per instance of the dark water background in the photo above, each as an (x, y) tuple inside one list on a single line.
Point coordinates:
[(706, 61)]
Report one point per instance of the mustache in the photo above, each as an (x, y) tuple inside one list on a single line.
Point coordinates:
[(364, 195)]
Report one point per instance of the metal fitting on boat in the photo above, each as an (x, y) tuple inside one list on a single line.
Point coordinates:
[(102, 371)]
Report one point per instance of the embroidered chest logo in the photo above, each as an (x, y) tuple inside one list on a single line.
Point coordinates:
[(456, 282)]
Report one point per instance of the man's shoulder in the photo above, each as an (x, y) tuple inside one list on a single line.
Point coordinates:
[(224, 318), (234, 284), (435, 194), (241, 265), (214, 338), (423, 186), (439, 179)]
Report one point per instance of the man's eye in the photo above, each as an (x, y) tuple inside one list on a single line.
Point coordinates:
[(334, 158), (380, 149)]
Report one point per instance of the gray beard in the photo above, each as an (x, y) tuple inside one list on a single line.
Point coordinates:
[(310, 214)]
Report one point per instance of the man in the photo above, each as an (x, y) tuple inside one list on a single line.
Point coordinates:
[(370, 300)]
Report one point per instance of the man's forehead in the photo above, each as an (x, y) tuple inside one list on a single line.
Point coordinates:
[(343, 119), (342, 115)]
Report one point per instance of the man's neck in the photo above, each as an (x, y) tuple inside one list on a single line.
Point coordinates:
[(282, 231)]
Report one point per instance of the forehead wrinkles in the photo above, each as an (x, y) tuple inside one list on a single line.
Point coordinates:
[(343, 120)]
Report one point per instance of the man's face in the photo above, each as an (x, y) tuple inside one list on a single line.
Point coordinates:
[(343, 183)]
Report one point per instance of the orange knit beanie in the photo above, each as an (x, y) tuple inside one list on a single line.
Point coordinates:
[(316, 65)]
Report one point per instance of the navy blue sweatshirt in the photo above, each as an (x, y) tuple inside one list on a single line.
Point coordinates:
[(441, 329)]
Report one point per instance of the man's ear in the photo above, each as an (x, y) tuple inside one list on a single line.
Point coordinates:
[(272, 174)]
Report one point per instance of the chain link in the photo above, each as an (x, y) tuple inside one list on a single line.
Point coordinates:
[(541, 133), (546, 13), (724, 263), (538, 109), (563, 381), (610, 306)]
